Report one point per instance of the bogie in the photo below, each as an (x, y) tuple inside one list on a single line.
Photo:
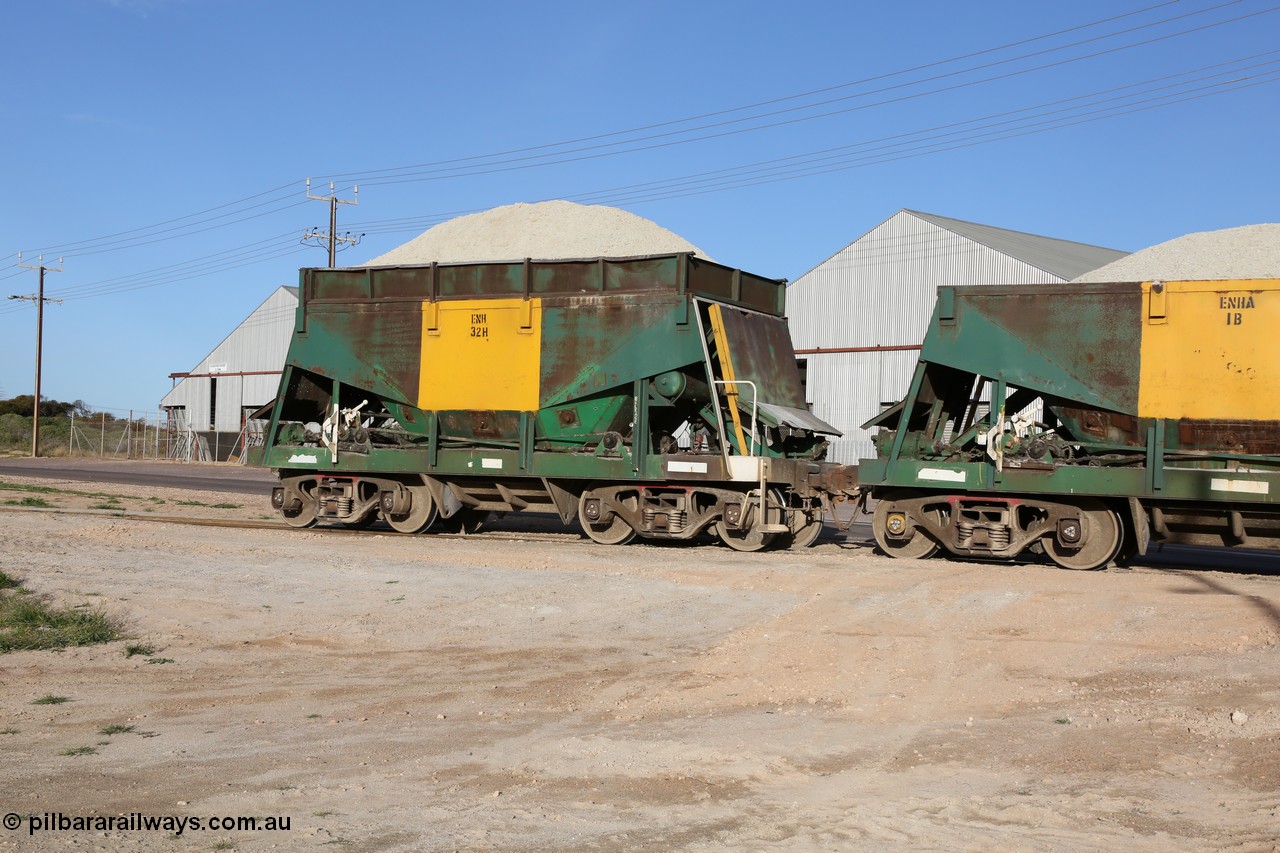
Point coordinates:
[(1083, 533), (601, 518), (408, 509), (610, 514)]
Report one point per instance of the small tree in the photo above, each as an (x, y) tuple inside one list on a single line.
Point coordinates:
[(21, 405)]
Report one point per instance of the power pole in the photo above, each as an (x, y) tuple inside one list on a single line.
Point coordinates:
[(39, 299), (332, 237)]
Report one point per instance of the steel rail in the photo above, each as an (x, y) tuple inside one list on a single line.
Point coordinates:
[(247, 524)]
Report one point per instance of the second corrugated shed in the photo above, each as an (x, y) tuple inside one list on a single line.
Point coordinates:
[(875, 296)]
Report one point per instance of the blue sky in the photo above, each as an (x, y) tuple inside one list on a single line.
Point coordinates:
[(160, 146)]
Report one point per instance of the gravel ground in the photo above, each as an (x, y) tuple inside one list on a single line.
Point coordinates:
[(393, 693)]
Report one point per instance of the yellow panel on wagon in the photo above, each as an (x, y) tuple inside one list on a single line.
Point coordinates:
[(481, 354), (1209, 350)]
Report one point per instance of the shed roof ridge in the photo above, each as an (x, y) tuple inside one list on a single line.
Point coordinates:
[(229, 335), (850, 243), (934, 217), (977, 232)]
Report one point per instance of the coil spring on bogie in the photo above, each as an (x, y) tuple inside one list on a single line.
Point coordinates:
[(675, 519), (998, 535), (332, 507)]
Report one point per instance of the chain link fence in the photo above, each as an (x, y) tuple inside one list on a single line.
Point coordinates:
[(157, 435)]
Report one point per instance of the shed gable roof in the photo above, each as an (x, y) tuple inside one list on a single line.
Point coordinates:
[(260, 316), (1064, 258)]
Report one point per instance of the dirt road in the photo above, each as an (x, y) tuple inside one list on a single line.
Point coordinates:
[(213, 477), (390, 693)]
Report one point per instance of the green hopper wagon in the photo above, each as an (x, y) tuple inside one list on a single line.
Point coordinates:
[(1084, 421), (656, 396)]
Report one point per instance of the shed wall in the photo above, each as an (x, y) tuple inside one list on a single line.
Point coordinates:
[(847, 389), (245, 366), (880, 291)]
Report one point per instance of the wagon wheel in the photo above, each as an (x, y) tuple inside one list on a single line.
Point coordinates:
[(917, 547), (465, 521), (750, 539), (421, 513), (806, 534), (613, 531), (308, 512), (303, 516), (1102, 538), (805, 524)]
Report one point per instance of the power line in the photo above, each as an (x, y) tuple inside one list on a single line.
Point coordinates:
[(366, 175), (616, 195), (1064, 118), (331, 237), (40, 299), (655, 190), (127, 285), (932, 150), (146, 235), (765, 172), (152, 228), (505, 165)]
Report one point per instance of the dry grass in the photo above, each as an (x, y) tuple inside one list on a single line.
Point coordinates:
[(29, 622)]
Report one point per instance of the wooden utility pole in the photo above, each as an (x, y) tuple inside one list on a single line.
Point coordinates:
[(39, 299), (332, 238)]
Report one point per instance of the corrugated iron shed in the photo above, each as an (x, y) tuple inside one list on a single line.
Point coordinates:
[(1062, 258), (859, 316), (242, 372)]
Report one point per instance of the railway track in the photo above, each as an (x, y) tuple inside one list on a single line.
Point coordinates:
[(1239, 560), (253, 524)]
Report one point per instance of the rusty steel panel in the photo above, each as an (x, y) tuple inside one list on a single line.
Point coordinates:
[(1080, 342), (1104, 426), (594, 344), (1260, 438), (340, 285), (461, 281), (371, 345), (682, 274), (759, 347), (400, 283), (481, 424)]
